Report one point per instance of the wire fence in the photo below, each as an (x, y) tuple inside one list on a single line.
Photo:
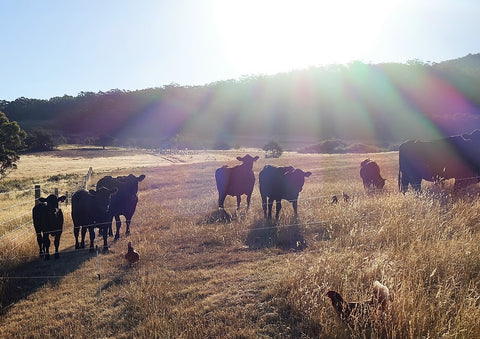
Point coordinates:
[(19, 235)]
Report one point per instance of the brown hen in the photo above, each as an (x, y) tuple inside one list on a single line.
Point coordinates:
[(132, 256), (361, 314)]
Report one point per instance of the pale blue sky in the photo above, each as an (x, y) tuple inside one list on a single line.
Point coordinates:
[(50, 48)]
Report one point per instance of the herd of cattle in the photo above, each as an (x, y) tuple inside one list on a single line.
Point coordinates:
[(456, 157), (91, 209)]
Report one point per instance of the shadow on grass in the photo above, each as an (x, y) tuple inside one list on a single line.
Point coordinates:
[(18, 282), (268, 233)]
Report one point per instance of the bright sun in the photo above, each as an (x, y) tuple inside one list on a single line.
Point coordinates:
[(271, 36)]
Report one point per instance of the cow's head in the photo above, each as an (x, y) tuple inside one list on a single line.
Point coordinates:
[(380, 182), (130, 183), (52, 203), (297, 178), (248, 160), (102, 197), (52, 200)]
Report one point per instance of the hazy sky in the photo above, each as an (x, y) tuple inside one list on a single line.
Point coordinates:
[(50, 48)]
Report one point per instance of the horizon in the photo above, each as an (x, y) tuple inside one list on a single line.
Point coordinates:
[(54, 49)]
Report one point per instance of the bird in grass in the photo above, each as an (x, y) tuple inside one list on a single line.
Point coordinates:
[(132, 256), (361, 314)]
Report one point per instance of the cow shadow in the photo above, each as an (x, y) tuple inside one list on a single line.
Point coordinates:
[(269, 233), (217, 216), (19, 281)]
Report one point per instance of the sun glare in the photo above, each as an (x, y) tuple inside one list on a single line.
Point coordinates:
[(272, 36)]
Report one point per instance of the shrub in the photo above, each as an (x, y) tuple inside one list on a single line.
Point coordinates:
[(273, 150)]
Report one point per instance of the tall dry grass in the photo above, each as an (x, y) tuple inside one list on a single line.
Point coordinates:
[(200, 276)]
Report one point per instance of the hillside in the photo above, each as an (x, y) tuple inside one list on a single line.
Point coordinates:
[(377, 104)]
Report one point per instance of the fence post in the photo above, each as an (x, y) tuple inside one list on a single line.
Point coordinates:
[(56, 192), (37, 193), (66, 200), (87, 178)]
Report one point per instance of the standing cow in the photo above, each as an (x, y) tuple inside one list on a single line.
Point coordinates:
[(277, 183), (124, 202), (90, 210), (370, 174), (236, 180), (48, 221), (455, 157)]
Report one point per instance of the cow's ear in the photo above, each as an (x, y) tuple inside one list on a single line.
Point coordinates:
[(256, 158), (92, 192), (62, 198), (239, 158), (307, 174), (42, 199), (141, 177)]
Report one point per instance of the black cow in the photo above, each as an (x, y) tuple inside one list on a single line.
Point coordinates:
[(48, 221), (124, 202), (236, 180), (370, 174), (90, 210), (279, 183), (455, 157)]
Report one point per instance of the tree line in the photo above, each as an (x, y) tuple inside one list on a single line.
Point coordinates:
[(378, 104)]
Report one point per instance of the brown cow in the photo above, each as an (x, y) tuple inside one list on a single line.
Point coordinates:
[(370, 174), (277, 183), (236, 180)]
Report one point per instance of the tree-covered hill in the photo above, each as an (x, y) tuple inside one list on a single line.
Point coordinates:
[(378, 104)]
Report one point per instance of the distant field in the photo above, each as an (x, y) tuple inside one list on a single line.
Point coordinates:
[(199, 277)]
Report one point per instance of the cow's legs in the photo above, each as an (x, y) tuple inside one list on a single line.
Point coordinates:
[(279, 207), (128, 220), (118, 224), (416, 184), (46, 244), (40, 243), (270, 205), (84, 232), (264, 206), (76, 231), (56, 242), (110, 230), (249, 197), (294, 205), (105, 237), (404, 180), (91, 233), (221, 200)]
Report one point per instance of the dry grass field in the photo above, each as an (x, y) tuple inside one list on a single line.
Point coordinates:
[(201, 277)]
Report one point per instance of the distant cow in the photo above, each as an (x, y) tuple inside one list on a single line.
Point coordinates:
[(48, 221), (455, 157), (236, 180), (90, 210), (279, 183), (370, 174), (124, 202)]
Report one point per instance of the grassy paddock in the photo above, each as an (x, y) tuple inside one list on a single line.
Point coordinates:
[(201, 276)]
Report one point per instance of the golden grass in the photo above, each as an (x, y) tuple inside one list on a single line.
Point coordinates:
[(200, 276)]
